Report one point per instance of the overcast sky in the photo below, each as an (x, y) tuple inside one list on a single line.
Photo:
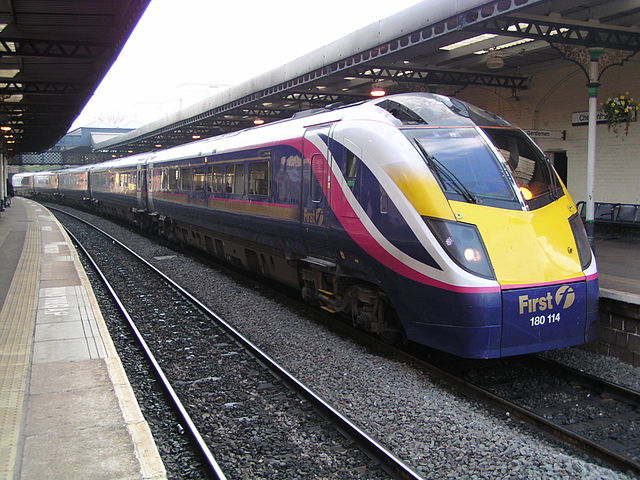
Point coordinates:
[(201, 42)]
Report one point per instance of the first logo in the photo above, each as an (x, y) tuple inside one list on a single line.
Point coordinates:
[(565, 296)]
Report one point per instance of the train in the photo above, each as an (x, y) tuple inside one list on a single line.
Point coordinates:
[(416, 216)]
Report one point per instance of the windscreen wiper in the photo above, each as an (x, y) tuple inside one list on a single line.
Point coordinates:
[(552, 179), (443, 173)]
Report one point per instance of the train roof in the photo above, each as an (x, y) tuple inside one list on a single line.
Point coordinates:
[(119, 163), (401, 110), (79, 169)]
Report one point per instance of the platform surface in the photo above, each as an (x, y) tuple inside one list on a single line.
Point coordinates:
[(618, 262), (67, 410)]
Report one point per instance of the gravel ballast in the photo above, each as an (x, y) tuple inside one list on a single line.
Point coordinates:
[(436, 431)]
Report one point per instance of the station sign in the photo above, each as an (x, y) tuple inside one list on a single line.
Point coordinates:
[(536, 133), (582, 118)]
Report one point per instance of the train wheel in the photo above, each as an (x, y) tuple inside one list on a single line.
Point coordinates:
[(392, 332)]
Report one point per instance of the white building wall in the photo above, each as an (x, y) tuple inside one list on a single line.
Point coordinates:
[(548, 104)]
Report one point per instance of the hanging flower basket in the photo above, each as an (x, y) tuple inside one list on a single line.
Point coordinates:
[(620, 109)]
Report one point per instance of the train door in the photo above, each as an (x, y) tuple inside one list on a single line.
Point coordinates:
[(141, 186), (199, 195), (316, 187)]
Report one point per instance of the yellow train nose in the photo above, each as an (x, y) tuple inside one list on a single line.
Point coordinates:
[(526, 246)]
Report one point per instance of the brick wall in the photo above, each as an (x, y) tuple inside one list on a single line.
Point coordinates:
[(619, 331)]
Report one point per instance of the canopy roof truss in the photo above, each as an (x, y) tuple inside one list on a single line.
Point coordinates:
[(443, 56), (53, 55)]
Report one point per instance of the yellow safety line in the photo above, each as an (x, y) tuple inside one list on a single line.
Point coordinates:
[(17, 324)]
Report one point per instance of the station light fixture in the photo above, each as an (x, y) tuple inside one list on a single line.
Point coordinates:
[(5, 128), (196, 137), (258, 121), (504, 46), (468, 41), (158, 145), (377, 90), (9, 72), (495, 62)]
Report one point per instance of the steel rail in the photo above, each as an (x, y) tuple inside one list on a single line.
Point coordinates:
[(605, 454), (608, 456), (389, 462), (600, 384), (210, 461)]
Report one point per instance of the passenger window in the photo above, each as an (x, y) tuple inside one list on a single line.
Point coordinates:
[(185, 176), (228, 179), (351, 169), (216, 179), (198, 179), (161, 179), (238, 181), (259, 178), (174, 176)]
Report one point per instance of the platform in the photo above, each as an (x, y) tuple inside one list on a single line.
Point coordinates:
[(619, 268), (67, 410)]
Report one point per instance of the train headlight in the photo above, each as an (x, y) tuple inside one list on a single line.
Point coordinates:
[(472, 255), (582, 242), (463, 244)]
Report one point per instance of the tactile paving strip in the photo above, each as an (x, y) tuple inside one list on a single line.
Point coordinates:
[(17, 323)]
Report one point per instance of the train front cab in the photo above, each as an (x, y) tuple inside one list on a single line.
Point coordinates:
[(548, 294), (542, 299), (465, 228), (529, 239)]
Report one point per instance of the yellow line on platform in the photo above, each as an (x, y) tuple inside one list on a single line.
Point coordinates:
[(17, 324)]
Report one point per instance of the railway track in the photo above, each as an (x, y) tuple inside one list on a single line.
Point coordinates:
[(461, 375), (581, 410), (199, 446), (197, 356), (597, 416)]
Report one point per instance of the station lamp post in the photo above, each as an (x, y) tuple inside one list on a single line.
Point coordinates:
[(593, 61), (594, 83)]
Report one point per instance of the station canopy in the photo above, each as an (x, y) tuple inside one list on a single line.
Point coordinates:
[(437, 46), (53, 55)]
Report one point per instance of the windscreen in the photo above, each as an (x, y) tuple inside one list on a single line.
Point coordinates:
[(465, 166), (531, 170), (469, 170)]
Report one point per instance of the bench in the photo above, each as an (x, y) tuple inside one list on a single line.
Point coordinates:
[(614, 217)]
